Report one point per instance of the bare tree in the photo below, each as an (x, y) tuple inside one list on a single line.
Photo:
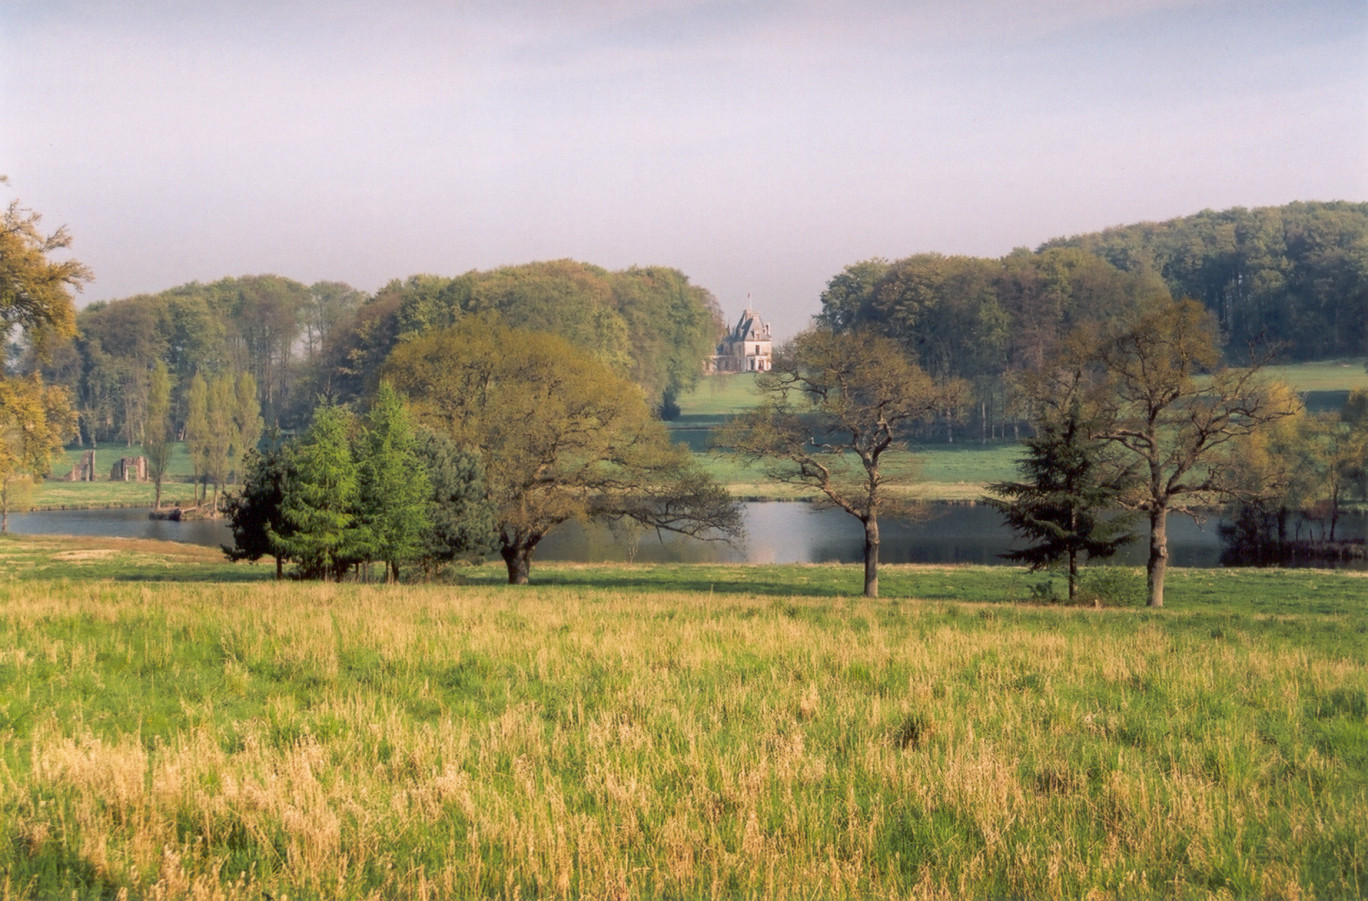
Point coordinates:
[(834, 405), (1159, 392)]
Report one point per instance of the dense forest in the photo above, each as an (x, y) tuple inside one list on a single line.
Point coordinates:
[(302, 343), (1294, 276), (1293, 279)]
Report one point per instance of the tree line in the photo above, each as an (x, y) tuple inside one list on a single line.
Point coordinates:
[(300, 342)]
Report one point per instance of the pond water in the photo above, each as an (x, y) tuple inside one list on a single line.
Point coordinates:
[(777, 532)]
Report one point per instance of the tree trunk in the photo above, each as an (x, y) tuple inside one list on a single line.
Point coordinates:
[(871, 558), (518, 559), (1073, 575), (280, 568), (1158, 555)]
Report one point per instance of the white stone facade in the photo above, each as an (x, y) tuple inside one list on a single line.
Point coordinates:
[(749, 347)]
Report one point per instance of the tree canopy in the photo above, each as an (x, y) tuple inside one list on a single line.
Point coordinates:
[(559, 435), (35, 301), (1295, 274), (1156, 390), (647, 324)]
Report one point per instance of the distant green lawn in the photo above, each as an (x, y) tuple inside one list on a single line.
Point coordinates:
[(1324, 375), (58, 493), (943, 472)]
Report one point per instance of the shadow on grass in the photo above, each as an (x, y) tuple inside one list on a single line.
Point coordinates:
[(977, 584)]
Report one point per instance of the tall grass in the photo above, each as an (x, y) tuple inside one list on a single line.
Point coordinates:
[(609, 735)]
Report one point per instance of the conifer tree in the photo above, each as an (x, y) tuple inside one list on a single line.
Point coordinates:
[(319, 500), (1064, 504), (463, 520), (255, 512), (394, 492)]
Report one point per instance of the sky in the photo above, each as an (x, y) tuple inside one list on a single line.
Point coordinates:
[(759, 146)]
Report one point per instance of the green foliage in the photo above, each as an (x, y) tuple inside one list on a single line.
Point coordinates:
[(35, 299), (393, 494), (463, 518), (320, 499), (558, 434), (648, 324), (1294, 274), (157, 436), (255, 513), (35, 290), (1068, 501)]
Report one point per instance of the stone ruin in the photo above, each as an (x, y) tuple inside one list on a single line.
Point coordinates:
[(125, 469), (129, 469)]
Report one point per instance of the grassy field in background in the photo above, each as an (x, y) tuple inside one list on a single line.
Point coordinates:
[(938, 472), (1323, 375), (671, 732)]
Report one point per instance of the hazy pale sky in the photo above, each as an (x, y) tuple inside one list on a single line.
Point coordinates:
[(760, 146)]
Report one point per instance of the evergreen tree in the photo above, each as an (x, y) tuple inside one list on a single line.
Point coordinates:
[(319, 500), (463, 520), (256, 512), (394, 492), (1064, 500)]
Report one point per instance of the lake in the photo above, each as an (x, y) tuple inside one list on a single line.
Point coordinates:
[(777, 532)]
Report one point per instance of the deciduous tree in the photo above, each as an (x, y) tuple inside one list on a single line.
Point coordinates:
[(35, 299), (834, 405), (559, 434), (1160, 393), (157, 438)]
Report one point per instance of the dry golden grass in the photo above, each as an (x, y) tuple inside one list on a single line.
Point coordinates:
[(311, 741)]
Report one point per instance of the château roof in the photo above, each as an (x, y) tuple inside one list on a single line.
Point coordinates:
[(750, 327)]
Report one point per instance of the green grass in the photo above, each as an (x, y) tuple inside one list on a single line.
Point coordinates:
[(938, 472), (672, 731), (56, 493), (1323, 375)]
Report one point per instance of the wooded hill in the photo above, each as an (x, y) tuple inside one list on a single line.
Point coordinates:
[(1293, 277)]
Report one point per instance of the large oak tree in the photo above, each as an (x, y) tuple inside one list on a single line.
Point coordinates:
[(560, 435)]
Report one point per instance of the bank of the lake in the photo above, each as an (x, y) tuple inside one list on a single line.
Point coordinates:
[(776, 532)]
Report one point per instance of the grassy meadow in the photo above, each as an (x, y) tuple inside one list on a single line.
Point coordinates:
[(175, 727)]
